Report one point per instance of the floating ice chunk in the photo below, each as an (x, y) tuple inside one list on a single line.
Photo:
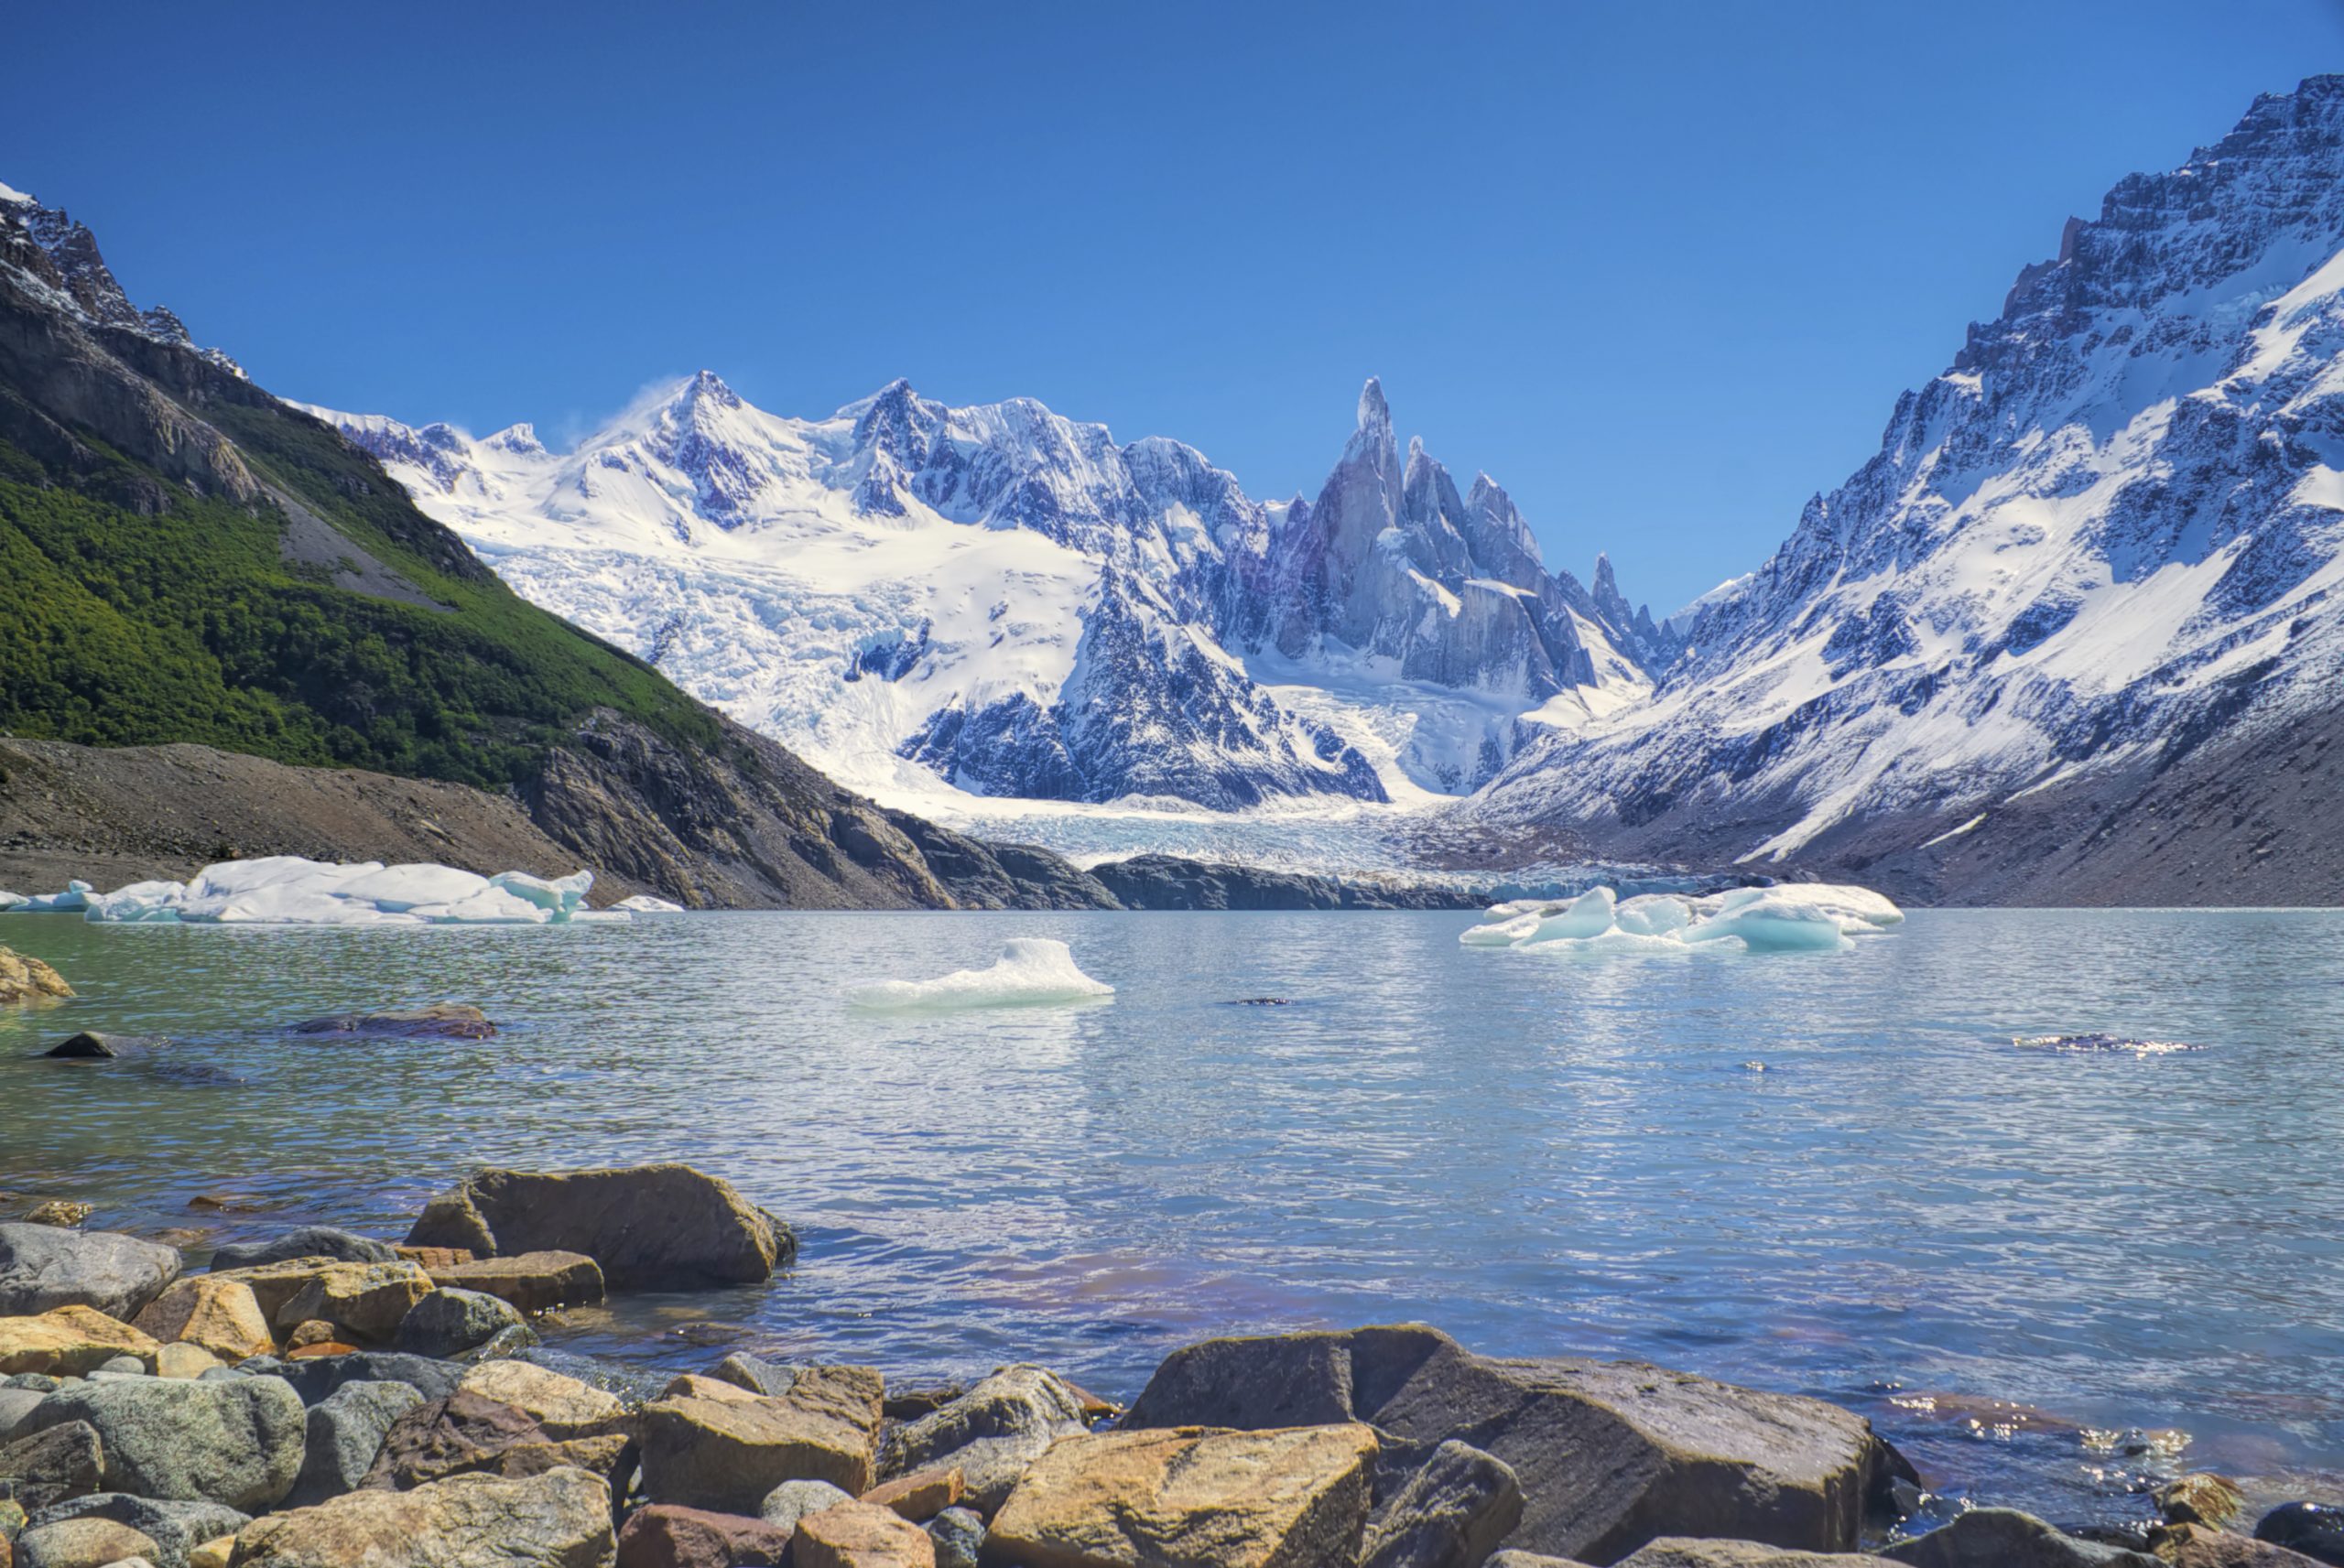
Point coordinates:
[(2118, 1042), (558, 894), (288, 889), (1793, 917), (399, 889), (1589, 914), (491, 905), (1502, 933), (1031, 971), (1652, 914), (139, 902), (644, 903), (74, 899), (9, 900), (1770, 925)]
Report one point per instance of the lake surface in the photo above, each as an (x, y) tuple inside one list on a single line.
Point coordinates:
[(1825, 1174)]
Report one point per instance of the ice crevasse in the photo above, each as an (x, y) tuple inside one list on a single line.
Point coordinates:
[(1792, 918), (288, 889)]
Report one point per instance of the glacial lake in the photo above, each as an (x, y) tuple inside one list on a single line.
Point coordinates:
[(1830, 1173)]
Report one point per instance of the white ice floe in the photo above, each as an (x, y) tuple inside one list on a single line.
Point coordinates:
[(644, 903), (1790, 918), (1031, 971), (288, 889)]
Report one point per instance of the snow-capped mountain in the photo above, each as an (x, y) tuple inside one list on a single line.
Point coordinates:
[(59, 258), (1014, 604), (2097, 554)]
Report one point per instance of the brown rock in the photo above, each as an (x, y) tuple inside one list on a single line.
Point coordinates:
[(304, 1335), (2199, 1498), (661, 1226), (27, 979), (1192, 1498), (221, 1316), (665, 1536), (2200, 1546), (726, 1454), (532, 1282), (559, 1519), (563, 1406), (610, 1456), (432, 1257), (858, 1535), (694, 1386), (920, 1496), (64, 1213), (275, 1284), (364, 1301), (314, 1349), (441, 1021), (83, 1543), (1684, 1551), (177, 1360), (459, 1435), (67, 1341), (209, 1555)]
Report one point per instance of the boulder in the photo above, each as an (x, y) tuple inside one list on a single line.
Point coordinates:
[(216, 1554), (53, 1465), (273, 1285), (760, 1377), (237, 1443), (729, 1456), (2005, 1537), (2199, 1498), (448, 1323), (793, 1500), (1510, 1558), (328, 1242), (1192, 1498), (1450, 1513), (2202, 1546), (1683, 1551), (68, 1341), (24, 977), (959, 1537), (441, 1021), (530, 1283), (1608, 1454), (920, 1496), (693, 1385), (345, 1431), (15, 1405), (317, 1379), (651, 1225), (2316, 1529), (665, 1536), (367, 1301), (857, 1535), (217, 1314), (559, 1519), (63, 1212), (177, 1528), (185, 1361), (564, 1407), (82, 1543), (610, 1456), (89, 1045), (990, 1433), (464, 1433), (43, 1267)]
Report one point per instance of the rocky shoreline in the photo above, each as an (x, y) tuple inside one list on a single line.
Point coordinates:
[(323, 1398)]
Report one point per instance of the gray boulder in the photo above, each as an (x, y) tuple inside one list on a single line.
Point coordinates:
[(2315, 1530), (1450, 1514), (176, 1529), (769, 1377), (344, 1434), (83, 1543), (2005, 1537), (1511, 1558), (53, 1465), (1680, 1551), (959, 1537), (448, 1323), (658, 1227), (1608, 1455), (236, 1444), (315, 1377), (42, 1267), (15, 1404), (992, 1433), (793, 1500), (309, 1241)]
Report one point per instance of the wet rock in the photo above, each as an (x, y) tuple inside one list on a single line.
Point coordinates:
[(660, 1226), (68, 1341), (2202, 1546), (177, 1528), (2316, 1529), (24, 977), (559, 1519), (90, 1045), (221, 1316), (1608, 1454), (2199, 1498), (2005, 1537), (531, 1283), (53, 1465), (448, 1323), (364, 1301), (238, 1443), (729, 1456), (793, 1500), (1681, 1552), (959, 1537), (563, 1406), (857, 1535), (665, 1536), (441, 1021), (43, 1267), (1192, 1498), (1452, 1513), (344, 1433), (315, 1380), (82, 1543), (63, 1213), (920, 1496), (327, 1242)]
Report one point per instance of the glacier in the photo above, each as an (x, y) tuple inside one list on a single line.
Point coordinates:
[(288, 890)]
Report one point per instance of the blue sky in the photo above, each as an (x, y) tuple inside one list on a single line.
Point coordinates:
[(1661, 270)]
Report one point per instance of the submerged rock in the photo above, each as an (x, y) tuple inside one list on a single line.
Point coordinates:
[(43, 1267), (441, 1021), (657, 1226), (64, 1213), (2005, 1537)]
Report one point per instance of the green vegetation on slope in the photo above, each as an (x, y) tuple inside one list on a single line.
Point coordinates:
[(120, 628)]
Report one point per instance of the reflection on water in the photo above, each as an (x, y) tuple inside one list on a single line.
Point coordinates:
[(1902, 1211)]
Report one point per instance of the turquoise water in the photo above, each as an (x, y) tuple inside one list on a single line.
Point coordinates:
[(1830, 1173)]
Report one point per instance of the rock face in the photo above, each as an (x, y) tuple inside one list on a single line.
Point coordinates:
[(219, 1315), (327, 1241), (729, 1456), (1192, 1498), (1608, 1454), (559, 1519), (1169, 882), (42, 1267), (2002, 1538), (651, 1224), (27, 979), (235, 1441), (68, 1341)]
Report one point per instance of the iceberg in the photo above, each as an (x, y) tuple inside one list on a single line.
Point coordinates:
[(288, 890), (12, 901), (1031, 972), (1793, 917), (644, 903)]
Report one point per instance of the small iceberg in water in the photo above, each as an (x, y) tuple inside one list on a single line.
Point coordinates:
[(1031, 972), (644, 903), (288, 889), (2120, 1043), (1794, 917)]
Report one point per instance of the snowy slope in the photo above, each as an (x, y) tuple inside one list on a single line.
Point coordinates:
[(937, 604), (2111, 533)]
